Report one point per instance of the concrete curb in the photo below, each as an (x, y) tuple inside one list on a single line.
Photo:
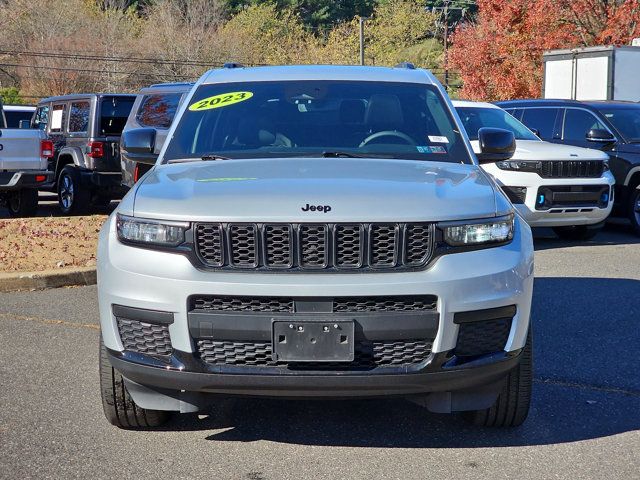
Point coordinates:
[(14, 281)]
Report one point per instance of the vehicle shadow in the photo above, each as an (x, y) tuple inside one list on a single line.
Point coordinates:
[(586, 386), (48, 207), (618, 233)]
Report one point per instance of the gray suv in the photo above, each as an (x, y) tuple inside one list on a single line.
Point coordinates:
[(85, 130), (318, 232), (155, 107)]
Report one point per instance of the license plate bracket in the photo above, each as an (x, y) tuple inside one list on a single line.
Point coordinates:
[(313, 341)]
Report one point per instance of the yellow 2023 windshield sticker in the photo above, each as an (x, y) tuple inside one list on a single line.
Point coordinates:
[(222, 100)]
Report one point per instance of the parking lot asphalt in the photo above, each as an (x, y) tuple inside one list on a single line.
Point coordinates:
[(584, 422)]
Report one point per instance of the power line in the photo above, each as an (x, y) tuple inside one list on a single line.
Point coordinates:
[(100, 72), (104, 58)]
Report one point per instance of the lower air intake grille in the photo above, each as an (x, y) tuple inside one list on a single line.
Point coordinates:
[(407, 303), (143, 337), (242, 304), (482, 337), (367, 355), (384, 304), (516, 195)]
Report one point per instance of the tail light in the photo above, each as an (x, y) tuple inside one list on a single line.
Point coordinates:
[(136, 173), (40, 178), (96, 149), (46, 148)]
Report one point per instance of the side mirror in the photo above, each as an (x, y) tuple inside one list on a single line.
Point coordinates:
[(138, 145), (24, 124), (600, 136), (496, 145)]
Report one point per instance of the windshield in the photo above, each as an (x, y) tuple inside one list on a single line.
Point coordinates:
[(318, 118), (475, 118), (626, 120)]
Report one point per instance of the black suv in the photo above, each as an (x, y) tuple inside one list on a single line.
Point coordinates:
[(85, 130), (611, 126)]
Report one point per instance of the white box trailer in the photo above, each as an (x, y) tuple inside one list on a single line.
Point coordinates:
[(593, 73)]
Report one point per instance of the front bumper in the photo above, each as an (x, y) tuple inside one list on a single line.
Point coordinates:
[(560, 214), (25, 179), (465, 282)]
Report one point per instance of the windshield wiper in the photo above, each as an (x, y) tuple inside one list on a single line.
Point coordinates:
[(205, 158), (339, 153)]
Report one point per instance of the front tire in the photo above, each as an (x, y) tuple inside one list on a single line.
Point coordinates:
[(119, 408), (634, 210), (23, 203), (72, 198), (577, 232), (512, 406)]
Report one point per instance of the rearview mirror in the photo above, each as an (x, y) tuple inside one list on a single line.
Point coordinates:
[(535, 131), (600, 135), (138, 145), (496, 145), (24, 124)]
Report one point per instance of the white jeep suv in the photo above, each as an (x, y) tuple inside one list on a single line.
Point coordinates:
[(567, 188), (316, 231)]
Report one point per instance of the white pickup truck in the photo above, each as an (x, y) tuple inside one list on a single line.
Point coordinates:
[(24, 155)]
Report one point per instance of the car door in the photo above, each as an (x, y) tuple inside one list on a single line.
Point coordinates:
[(57, 120), (576, 124), (543, 120)]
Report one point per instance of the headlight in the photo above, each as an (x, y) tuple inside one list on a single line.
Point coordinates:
[(520, 166), (496, 230), (150, 232)]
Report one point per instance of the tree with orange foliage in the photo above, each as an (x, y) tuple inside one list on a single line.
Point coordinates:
[(500, 56)]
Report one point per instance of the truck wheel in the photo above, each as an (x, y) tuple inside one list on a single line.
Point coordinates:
[(72, 198), (577, 232), (512, 406), (118, 406), (23, 203), (634, 210)]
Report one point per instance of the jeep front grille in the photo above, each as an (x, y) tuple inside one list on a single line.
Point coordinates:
[(571, 169), (308, 247)]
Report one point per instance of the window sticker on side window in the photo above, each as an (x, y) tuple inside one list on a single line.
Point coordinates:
[(56, 119), (222, 100), (431, 149)]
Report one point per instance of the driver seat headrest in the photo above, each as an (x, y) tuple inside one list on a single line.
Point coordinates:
[(254, 132), (384, 111)]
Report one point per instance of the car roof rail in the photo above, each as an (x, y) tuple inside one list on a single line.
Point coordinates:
[(408, 65), (232, 65)]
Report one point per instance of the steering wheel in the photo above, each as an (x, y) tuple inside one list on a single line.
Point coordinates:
[(388, 133)]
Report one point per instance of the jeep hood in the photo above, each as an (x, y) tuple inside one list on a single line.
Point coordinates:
[(277, 190), (537, 150)]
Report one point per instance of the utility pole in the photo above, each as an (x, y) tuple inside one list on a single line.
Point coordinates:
[(362, 20), (446, 44), (446, 9)]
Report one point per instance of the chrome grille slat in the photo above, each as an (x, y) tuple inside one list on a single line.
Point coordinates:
[(308, 247)]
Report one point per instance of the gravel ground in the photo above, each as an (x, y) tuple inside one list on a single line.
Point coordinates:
[(584, 422)]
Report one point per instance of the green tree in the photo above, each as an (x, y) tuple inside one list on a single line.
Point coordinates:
[(318, 15), (11, 96), (262, 34)]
